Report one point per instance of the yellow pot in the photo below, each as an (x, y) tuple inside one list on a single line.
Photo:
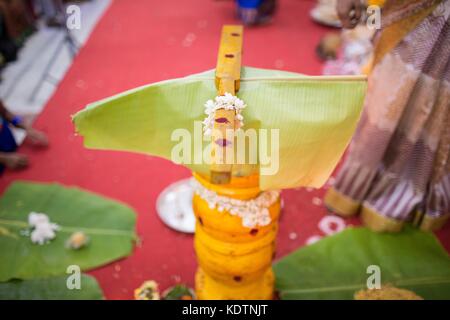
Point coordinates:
[(379, 3), (235, 261), (227, 227), (207, 288)]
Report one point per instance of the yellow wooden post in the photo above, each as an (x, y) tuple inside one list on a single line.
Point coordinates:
[(234, 260), (228, 72)]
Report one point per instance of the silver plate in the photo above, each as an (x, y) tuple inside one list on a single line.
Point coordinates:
[(317, 16), (174, 206)]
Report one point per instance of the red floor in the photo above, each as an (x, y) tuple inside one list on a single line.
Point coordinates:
[(143, 41)]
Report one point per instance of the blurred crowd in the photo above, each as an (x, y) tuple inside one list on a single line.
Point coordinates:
[(20, 18)]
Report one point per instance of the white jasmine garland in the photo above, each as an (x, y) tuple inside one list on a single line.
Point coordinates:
[(43, 229), (253, 212), (227, 102)]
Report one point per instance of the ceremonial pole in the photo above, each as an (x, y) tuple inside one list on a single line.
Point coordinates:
[(234, 260)]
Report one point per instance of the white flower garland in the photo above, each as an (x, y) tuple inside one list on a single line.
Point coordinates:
[(254, 212), (227, 102)]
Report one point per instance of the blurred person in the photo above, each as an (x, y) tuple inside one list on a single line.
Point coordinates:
[(8, 47), (256, 12), (16, 21), (9, 158), (398, 164), (53, 12), (324, 12)]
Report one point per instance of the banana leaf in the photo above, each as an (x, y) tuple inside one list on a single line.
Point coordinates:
[(53, 288), (315, 115), (336, 267), (108, 224)]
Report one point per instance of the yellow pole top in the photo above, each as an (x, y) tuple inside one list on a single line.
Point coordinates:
[(228, 74)]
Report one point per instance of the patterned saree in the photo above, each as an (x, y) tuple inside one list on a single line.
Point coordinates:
[(398, 165)]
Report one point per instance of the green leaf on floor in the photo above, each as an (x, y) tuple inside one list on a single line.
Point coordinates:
[(336, 266), (109, 225), (53, 288)]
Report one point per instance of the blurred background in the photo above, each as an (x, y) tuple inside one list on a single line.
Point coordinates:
[(58, 56)]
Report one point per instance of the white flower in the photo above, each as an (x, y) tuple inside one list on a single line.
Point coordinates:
[(35, 218), (253, 212), (264, 218), (248, 221), (239, 104), (43, 233), (227, 102), (43, 230), (210, 104)]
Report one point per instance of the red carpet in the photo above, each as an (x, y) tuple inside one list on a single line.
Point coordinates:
[(139, 42)]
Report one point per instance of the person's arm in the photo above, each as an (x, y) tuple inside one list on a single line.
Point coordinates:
[(10, 117), (37, 137), (349, 12)]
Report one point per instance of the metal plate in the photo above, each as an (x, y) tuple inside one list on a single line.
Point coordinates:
[(174, 206), (318, 17)]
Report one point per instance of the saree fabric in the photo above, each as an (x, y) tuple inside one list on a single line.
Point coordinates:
[(398, 166)]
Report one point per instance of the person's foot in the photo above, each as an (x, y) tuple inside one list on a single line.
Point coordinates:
[(36, 138), (54, 22), (14, 161)]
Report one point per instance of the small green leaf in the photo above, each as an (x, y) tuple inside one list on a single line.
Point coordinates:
[(53, 288), (108, 224)]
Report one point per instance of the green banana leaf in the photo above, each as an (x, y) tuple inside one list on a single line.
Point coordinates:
[(53, 288), (336, 267), (316, 117), (109, 225)]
